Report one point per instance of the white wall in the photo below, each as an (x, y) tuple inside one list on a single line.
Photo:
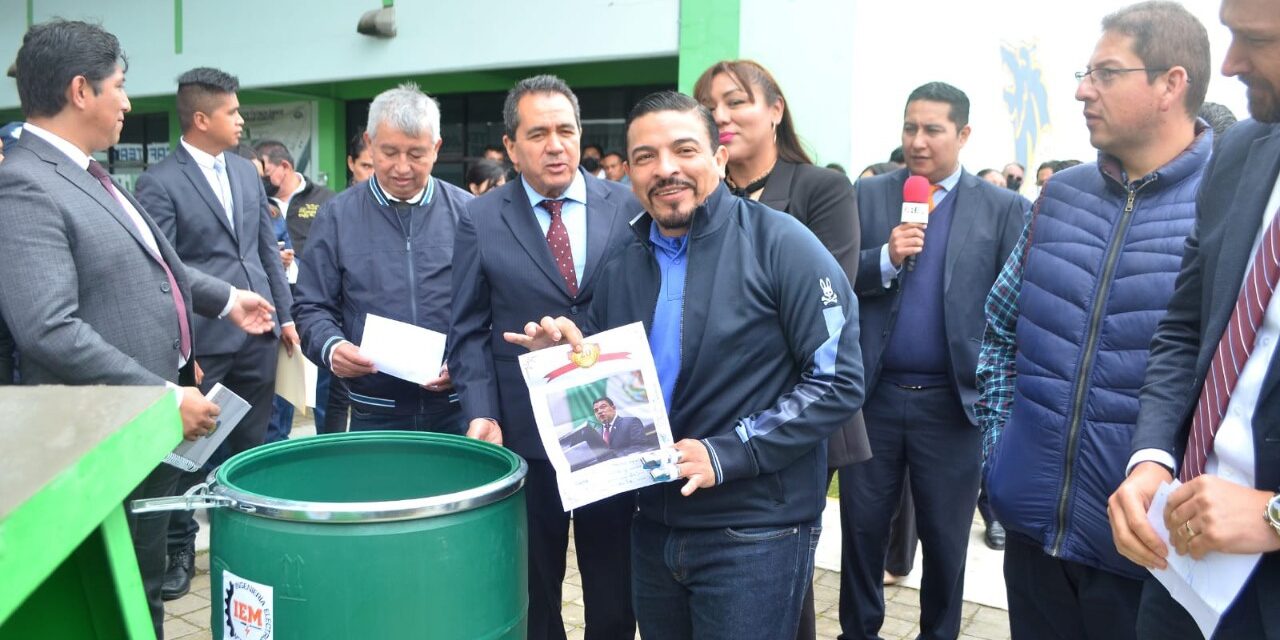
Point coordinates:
[(898, 46), (806, 45), (274, 42)]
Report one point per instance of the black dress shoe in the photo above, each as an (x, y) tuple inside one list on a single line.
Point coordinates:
[(177, 576), (994, 537)]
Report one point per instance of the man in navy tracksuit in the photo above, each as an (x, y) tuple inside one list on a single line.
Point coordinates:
[(385, 248), (754, 331)]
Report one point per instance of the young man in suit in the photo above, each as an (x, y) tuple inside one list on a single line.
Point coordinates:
[(90, 287), (1209, 406), (533, 247), (211, 207), (1063, 357), (922, 323)]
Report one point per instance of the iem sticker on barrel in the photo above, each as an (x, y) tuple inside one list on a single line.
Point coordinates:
[(247, 609)]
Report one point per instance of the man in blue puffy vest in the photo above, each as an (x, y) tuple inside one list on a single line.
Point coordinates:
[(1071, 317)]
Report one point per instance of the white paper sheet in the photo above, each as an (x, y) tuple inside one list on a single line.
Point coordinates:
[(1206, 587), (564, 391), (402, 350)]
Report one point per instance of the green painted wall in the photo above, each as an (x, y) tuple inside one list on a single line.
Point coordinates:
[(709, 31)]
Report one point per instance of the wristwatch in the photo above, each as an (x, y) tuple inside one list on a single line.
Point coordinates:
[(1273, 513)]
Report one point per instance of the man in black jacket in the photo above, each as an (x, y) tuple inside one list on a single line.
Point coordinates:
[(752, 438), (383, 248)]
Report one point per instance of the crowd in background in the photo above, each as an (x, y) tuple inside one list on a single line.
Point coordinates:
[(1049, 361)]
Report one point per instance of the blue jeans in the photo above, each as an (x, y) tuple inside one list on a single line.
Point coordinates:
[(728, 583)]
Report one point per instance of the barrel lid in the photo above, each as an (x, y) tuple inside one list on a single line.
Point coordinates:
[(369, 512)]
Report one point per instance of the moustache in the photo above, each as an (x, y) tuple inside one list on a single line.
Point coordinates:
[(670, 182)]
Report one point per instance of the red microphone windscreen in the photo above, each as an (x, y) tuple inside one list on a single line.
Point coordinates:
[(916, 190)]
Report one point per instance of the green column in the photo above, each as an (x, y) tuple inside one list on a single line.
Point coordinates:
[(331, 141), (708, 34)]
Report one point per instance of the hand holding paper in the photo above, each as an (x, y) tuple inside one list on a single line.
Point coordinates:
[(1222, 515), (1204, 587), (402, 350)]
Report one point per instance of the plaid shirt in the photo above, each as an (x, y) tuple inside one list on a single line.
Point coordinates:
[(997, 359)]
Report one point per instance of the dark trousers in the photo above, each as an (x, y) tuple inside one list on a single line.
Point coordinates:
[(984, 507), (1159, 616), (720, 584), (437, 416), (251, 374), (602, 537), (337, 410), (1051, 598), (281, 422), (903, 540), (926, 433), (149, 533)]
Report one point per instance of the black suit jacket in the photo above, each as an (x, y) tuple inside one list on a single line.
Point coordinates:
[(1229, 212), (986, 225), (628, 436), (823, 201), (178, 197), (504, 277)]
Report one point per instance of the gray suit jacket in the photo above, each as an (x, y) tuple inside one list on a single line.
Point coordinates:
[(178, 197), (86, 301)]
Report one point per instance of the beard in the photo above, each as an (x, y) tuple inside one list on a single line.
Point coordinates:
[(674, 217), (1264, 103)]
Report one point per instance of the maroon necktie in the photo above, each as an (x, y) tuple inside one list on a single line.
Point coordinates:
[(1233, 351), (184, 331), (558, 240), (608, 429)]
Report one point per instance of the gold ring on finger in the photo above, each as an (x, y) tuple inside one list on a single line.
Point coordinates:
[(1191, 533)]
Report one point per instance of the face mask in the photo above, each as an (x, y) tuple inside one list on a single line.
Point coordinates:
[(272, 189), (1014, 183), (590, 164)]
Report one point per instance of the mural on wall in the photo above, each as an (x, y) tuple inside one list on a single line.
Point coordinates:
[(1026, 98), (292, 123)]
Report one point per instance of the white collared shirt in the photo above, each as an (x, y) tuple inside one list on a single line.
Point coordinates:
[(1232, 455), (77, 156), (573, 213), (219, 184)]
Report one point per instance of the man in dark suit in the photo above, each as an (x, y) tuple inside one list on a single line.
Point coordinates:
[(532, 248), (1209, 405), (211, 207), (922, 322), (623, 434), (89, 286)]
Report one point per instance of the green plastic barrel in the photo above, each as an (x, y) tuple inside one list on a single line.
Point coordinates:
[(369, 535)]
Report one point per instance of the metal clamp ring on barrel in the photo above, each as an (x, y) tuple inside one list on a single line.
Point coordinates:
[(363, 512), (197, 497)]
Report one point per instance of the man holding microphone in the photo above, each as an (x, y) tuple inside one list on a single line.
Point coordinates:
[(921, 326)]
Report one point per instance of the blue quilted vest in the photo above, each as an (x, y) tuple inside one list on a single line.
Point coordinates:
[(1098, 274)]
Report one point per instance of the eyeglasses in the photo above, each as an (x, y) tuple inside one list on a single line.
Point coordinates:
[(1103, 76)]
